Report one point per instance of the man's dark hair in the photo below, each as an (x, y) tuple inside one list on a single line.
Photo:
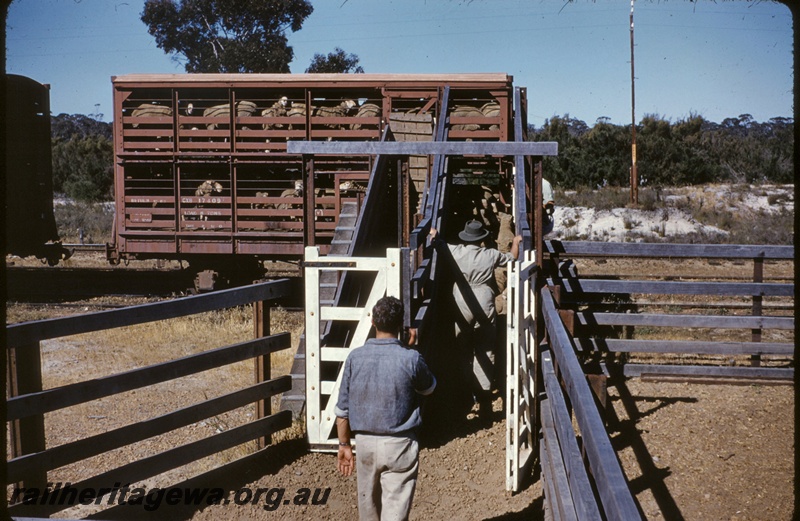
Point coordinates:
[(387, 315)]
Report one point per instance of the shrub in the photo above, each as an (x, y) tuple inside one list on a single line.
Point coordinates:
[(96, 220), (649, 199), (606, 198)]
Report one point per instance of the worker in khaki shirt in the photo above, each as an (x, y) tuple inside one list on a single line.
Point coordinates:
[(475, 328)]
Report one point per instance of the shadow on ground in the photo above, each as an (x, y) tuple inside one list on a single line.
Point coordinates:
[(235, 475)]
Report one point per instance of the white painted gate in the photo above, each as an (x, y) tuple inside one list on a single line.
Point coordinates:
[(325, 361), (520, 371)]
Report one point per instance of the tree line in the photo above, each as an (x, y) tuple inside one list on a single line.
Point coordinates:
[(83, 157), (689, 151)]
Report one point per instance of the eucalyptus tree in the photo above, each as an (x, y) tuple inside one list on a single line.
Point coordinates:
[(227, 35)]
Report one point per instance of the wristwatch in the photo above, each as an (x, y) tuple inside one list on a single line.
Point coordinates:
[(344, 444)]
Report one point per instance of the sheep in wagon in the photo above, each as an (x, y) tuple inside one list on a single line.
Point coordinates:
[(276, 110), (297, 110), (150, 110), (342, 109), (243, 109), (205, 189), (260, 195), (491, 110), (466, 111), (291, 194), (208, 187), (349, 186), (367, 110), (295, 192), (189, 111)]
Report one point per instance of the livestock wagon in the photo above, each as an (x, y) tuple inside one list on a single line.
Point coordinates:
[(202, 172)]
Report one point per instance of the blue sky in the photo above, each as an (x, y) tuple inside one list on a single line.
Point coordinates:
[(716, 59)]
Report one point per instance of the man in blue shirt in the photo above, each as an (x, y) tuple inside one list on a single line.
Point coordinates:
[(379, 401)]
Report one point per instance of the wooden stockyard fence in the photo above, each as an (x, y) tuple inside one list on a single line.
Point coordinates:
[(27, 402), (553, 334), (582, 475)]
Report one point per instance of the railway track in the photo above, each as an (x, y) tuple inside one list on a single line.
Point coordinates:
[(26, 284), (40, 284)]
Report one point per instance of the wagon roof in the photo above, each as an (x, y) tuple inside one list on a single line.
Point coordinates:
[(477, 80)]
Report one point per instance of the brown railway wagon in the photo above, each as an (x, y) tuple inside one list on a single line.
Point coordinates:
[(30, 226), (202, 172)]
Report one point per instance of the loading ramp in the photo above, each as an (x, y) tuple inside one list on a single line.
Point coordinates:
[(386, 255)]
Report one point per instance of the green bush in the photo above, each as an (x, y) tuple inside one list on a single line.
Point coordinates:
[(96, 220), (690, 151)]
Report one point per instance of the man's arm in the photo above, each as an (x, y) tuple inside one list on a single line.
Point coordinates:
[(515, 246), (424, 380), (344, 460)]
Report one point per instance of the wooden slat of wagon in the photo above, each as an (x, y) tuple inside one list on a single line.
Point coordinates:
[(590, 318), (657, 287), (28, 333), (73, 394), (679, 346), (173, 458), (628, 249), (611, 484), (20, 468)]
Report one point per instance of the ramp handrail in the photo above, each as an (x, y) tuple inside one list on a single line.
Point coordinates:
[(423, 286), (523, 227)]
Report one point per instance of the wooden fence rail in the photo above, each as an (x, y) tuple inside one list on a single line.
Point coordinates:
[(590, 485), (667, 251), (27, 402), (573, 497), (586, 325), (614, 495), (28, 333)]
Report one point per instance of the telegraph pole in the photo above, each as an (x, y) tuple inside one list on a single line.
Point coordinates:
[(634, 174)]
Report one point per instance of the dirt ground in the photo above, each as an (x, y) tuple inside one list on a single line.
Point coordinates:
[(700, 452), (689, 451)]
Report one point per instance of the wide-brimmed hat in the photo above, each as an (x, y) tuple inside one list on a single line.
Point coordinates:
[(473, 232)]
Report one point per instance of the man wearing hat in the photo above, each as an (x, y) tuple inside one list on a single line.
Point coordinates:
[(475, 328)]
